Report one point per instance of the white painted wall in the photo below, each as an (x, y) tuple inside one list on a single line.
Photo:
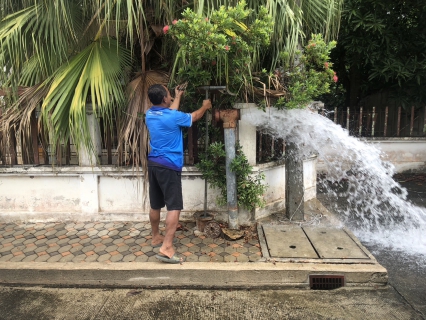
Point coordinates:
[(109, 193), (406, 154)]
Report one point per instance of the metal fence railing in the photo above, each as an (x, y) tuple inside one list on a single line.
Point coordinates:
[(361, 122), (381, 121)]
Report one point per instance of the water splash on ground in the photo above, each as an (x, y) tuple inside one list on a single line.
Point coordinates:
[(366, 196)]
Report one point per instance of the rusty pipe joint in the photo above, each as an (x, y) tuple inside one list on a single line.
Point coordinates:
[(229, 117)]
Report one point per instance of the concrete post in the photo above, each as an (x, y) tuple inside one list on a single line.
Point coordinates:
[(88, 157), (247, 132), (51, 149), (294, 188)]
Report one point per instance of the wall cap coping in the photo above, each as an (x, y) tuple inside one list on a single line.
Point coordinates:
[(394, 139), (74, 170)]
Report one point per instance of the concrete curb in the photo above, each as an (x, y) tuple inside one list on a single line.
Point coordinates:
[(193, 275)]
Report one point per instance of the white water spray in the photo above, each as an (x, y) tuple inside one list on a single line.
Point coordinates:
[(377, 210)]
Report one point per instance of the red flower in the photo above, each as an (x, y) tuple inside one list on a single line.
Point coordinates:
[(213, 62), (335, 78), (207, 19), (165, 29), (227, 48), (326, 65), (174, 22)]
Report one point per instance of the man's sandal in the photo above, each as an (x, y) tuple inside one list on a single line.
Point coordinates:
[(174, 259)]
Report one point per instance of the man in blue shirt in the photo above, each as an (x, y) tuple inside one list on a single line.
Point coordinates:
[(165, 162)]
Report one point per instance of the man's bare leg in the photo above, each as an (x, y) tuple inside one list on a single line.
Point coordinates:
[(172, 221), (154, 218)]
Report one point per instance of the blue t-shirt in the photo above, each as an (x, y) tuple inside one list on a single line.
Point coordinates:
[(166, 140)]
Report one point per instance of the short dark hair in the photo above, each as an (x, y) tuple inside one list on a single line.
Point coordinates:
[(157, 93)]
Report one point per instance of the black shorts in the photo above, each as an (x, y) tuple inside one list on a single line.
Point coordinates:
[(165, 188)]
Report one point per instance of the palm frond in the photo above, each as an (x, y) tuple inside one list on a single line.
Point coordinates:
[(96, 74), (322, 17), (32, 37)]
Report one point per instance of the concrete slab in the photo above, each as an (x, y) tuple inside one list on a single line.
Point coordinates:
[(201, 275), (332, 243), (288, 241)]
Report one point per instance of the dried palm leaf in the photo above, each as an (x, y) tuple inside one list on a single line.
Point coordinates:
[(134, 133), (17, 118)]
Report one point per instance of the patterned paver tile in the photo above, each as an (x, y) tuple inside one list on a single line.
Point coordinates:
[(85, 242), (33, 257), (6, 257), (92, 258), (64, 248), (79, 258)]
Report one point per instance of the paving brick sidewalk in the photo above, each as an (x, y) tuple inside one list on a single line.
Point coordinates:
[(111, 242)]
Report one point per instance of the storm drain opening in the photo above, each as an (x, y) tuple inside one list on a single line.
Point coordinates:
[(326, 282)]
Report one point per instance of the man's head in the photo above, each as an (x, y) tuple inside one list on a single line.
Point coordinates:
[(159, 95)]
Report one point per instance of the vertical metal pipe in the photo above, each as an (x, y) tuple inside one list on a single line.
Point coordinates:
[(347, 118), (3, 143), (13, 147), (68, 153), (367, 130), (398, 128), (190, 146), (34, 137), (206, 145), (412, 121), (424, 121), (335, 115), (386, 121), (373, 121), (229, 118), (260, 145), (231, 179), (108, 144), (360, 121)]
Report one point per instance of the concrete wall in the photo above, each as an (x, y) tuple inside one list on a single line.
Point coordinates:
[(110, 193), (406, 154)]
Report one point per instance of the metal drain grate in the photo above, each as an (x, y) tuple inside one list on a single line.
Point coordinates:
[(326, 282)]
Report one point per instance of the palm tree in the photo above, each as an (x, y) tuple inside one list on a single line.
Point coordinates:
[(59, 55)]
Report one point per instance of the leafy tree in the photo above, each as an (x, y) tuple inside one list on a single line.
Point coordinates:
[(58, 55), (381, 48)]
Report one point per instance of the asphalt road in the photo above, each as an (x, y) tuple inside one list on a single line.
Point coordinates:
[(50, 303)]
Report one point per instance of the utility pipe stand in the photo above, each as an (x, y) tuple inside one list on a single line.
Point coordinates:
[(229, 118)]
